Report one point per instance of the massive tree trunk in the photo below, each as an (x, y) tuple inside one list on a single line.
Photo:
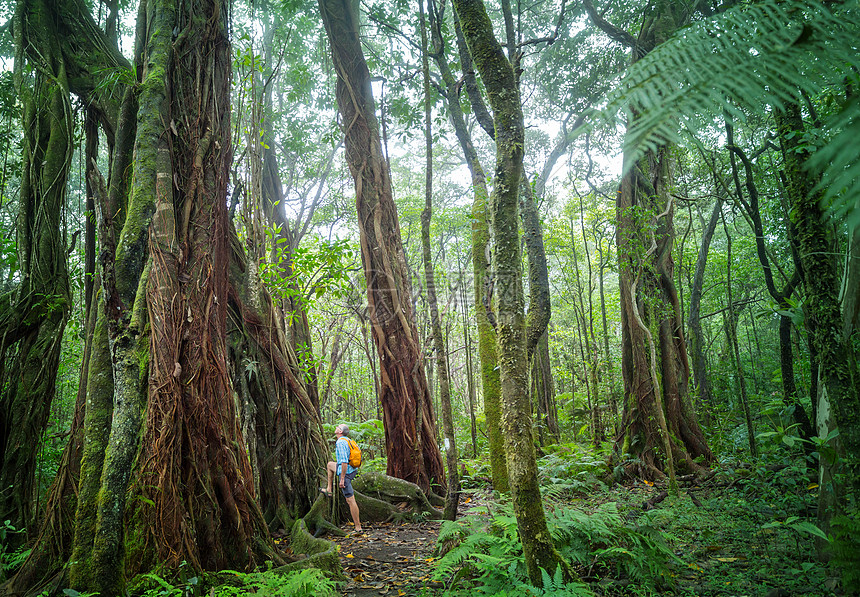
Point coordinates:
[(488, 357), (34, 315), (164, 474), (196, 499), (645, 260), (499, 79), (165, 260), (644, 192), (413, 454)]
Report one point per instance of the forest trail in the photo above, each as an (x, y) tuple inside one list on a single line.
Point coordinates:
[(388, 558)]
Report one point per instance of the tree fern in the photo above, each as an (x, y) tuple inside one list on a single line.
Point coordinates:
[(768, 52)]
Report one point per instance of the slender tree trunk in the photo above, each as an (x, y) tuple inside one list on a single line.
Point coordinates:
[(470, 370), (484, 317), (499, 79), (697, 337), (587, 351), (732, 337), (539, 311), (543, 389), (610, 366), (404, 393), (452, 498), (593, 351)]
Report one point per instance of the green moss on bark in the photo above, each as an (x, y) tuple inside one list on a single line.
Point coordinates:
[(500, 82)]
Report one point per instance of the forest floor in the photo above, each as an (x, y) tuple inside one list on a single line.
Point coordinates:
[(746, 533), (388, 558)]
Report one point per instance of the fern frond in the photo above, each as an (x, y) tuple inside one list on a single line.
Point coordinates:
[(839, 164), (450, 530), (469, 548), (768, 52)]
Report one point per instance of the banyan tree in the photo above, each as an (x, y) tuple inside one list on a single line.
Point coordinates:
[(158, 467)]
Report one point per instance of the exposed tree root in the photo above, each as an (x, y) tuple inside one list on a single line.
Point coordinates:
[(321, 554), (393, 490), (380, 499)]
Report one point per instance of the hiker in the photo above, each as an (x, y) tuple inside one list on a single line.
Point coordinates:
[(344, 471)]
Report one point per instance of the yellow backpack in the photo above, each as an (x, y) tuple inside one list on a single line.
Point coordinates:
[(354, 453)]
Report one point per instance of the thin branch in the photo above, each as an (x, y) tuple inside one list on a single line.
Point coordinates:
[(608, 28), (551, 39), (408, 39)]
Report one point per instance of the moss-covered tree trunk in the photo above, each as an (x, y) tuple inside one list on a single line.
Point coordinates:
[(823, 310), (413, 454), (488, 357), (158, 367), (33, 316), (203, 510), (645, 194), (645, 233), (500, 82), (539, 312)]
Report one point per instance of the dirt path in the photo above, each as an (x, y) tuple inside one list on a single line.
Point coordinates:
[(388, 558)]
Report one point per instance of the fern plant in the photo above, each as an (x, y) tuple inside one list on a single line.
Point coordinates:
[(487, 550), (488, 553), (310, 582), (602, 541), (768, 52)]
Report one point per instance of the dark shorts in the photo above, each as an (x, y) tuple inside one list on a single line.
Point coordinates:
[(347, 484)]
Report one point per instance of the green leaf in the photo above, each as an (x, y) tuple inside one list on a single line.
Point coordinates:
[(808, 527), (754, 54)]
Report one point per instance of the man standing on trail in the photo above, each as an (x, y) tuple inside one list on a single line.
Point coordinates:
[(345, 471)]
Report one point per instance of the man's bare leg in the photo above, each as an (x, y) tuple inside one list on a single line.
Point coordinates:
[(353, 510), (330, 468)]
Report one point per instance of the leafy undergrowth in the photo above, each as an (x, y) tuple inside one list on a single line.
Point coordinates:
[(746, 531)]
